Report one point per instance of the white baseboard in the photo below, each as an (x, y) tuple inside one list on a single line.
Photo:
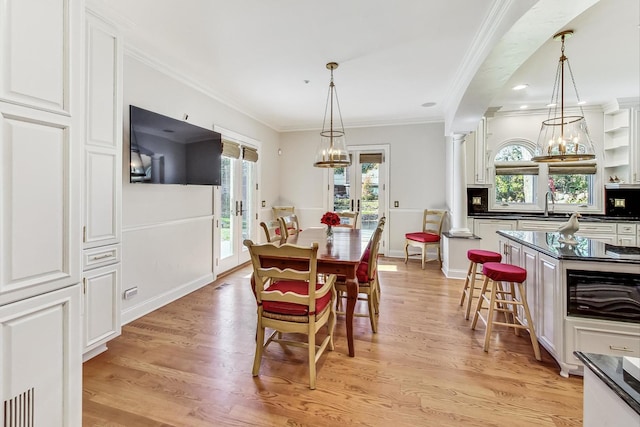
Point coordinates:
[(161, 300), (94, 352)]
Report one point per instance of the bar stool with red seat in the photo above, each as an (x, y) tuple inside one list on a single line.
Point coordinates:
[(505, 300), (475, 257)]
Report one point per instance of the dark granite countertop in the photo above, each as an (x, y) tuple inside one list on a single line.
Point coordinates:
[(552, 216), (609, 370), (585, 249)]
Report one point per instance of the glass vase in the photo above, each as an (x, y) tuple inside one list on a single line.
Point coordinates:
[(329, 234)]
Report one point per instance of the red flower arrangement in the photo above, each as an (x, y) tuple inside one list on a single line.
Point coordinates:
[(330, 219)]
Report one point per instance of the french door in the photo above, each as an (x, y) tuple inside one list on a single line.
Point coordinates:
[(361, 187), (236, 217)]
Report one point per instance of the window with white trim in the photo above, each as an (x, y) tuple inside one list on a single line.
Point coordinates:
[(521, 184), (516, 176)]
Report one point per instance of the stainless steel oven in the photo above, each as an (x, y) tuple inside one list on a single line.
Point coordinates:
[(603, 295)]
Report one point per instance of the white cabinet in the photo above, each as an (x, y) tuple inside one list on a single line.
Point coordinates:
[(480, 153), (550, 302), (605, 232), (539, 225), (103, 137), (102, 186), (529, 261), (604, 407), (102, 308), (486, 230), (621, 141), (626, 234), (40, 359), (40, 123), (41, 116)]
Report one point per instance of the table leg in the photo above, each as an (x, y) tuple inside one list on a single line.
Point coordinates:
[(352, 297)]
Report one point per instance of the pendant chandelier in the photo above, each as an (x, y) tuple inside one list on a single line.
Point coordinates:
[(332, 151), (563, 137)]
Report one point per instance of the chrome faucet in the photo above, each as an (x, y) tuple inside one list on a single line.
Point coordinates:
[(546, 203)]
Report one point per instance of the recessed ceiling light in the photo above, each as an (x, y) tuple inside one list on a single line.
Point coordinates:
[(523, 107), (429, 104), (520, 87), (552, 104), (582, 102)]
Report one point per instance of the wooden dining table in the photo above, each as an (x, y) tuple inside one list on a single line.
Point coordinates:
[(341, 257)]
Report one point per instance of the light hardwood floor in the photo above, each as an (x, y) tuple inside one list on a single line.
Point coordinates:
[(189, 364)]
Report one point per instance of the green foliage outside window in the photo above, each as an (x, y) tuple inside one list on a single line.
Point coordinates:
[(570, 189), (514, 188), (521, 188)]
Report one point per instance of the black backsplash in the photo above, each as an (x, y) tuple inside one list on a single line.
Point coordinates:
[(477, 200), (623, 202)]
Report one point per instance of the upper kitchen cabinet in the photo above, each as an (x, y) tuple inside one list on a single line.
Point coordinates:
[(477, 155), (620, 141), (103, 135), (41, 121)]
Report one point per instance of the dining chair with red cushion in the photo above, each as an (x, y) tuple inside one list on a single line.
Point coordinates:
[(368, 283), (291, 300), (432, 221)]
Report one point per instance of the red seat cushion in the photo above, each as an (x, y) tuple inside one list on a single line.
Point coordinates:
[(362, 271), (504, 272), (481, 256), (423, 237), (298, 287), (365, 254)]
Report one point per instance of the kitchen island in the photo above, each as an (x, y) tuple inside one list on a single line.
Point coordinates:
[(611, 391), (584, 297)]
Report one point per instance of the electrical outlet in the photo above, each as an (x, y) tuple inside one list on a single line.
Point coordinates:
[(130, 293), (396, 204)]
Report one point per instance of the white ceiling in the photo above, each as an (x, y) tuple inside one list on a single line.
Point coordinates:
[(257, 55)]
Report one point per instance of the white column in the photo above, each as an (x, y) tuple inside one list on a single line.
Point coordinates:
[(459, 199)]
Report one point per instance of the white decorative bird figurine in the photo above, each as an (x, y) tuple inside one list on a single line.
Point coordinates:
[(569, 228)]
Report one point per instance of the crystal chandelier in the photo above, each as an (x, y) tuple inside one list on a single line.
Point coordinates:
[(563, 137), (332, 151)]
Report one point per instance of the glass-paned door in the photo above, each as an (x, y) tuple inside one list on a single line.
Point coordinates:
[(361, 188), (237, 211)]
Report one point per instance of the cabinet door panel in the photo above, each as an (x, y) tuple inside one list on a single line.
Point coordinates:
[(34, 56), (40, 357), (530, 263), (548, 299), (102, 305), (101, 208), (102, 90), (39, 243)]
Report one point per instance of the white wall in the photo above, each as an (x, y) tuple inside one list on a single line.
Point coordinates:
[(168, 229), (416, 174), (507, 126)]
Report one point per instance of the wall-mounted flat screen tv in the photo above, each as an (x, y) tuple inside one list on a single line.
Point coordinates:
[(170, 151)]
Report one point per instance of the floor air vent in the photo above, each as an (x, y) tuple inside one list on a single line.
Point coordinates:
[(18, 411)]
